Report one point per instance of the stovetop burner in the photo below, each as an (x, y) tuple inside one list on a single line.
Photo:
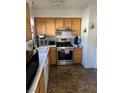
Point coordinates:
[(64, 44)]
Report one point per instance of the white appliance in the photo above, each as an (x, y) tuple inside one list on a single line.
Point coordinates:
[(46, 73)]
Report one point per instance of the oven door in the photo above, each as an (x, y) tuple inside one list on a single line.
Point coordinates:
[(64, 55)]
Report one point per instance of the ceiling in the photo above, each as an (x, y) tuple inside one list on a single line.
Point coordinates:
[(66, 4)]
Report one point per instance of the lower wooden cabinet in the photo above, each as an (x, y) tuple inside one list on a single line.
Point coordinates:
[(41, 84), (38, 88), (52, 56), (77, 55)]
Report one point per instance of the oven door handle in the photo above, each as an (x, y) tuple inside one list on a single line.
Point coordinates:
[(59, 48)]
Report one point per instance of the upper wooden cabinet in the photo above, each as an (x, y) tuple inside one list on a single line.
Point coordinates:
[(50, 27), (58, 23), (28, 24), (39, 26), (67, 22), (76, 26)]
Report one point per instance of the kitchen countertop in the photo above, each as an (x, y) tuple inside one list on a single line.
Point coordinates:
[(75, 46), (43, 52), (47, 46)]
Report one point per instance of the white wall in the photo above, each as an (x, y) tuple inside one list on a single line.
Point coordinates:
[(92, 37), (89, 40), (84, 36), (56, 12)]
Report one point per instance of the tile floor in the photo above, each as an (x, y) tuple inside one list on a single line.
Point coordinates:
[(72, 79)]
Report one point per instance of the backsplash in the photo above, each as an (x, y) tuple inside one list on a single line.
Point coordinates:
[(54, 38)]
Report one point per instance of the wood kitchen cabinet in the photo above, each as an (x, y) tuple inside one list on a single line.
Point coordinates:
[(77, 55), (28, 24), (76, 26), (58, 23), (41, 84), (38, 88), (50, 27), (52, 55), (67, 22), (40, 26), (28, 1)]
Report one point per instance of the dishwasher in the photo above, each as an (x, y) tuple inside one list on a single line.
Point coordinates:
[(46, 73)]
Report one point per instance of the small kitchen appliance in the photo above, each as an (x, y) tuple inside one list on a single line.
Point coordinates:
[(42, 40)]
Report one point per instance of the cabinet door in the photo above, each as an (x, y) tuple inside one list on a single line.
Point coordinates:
[(28, 24), (39, 26), (67, 22), (38, 88), (53, 56), (76, 26), (77, 55), (50, 27), (42, 82), (59, 23)]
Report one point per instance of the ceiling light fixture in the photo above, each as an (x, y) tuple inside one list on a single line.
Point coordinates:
[(57, 2)]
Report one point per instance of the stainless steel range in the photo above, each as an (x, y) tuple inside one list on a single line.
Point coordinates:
[(64, 52), (64, 46)]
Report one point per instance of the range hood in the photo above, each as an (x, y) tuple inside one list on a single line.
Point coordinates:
[(63, 29), (63, 33)]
